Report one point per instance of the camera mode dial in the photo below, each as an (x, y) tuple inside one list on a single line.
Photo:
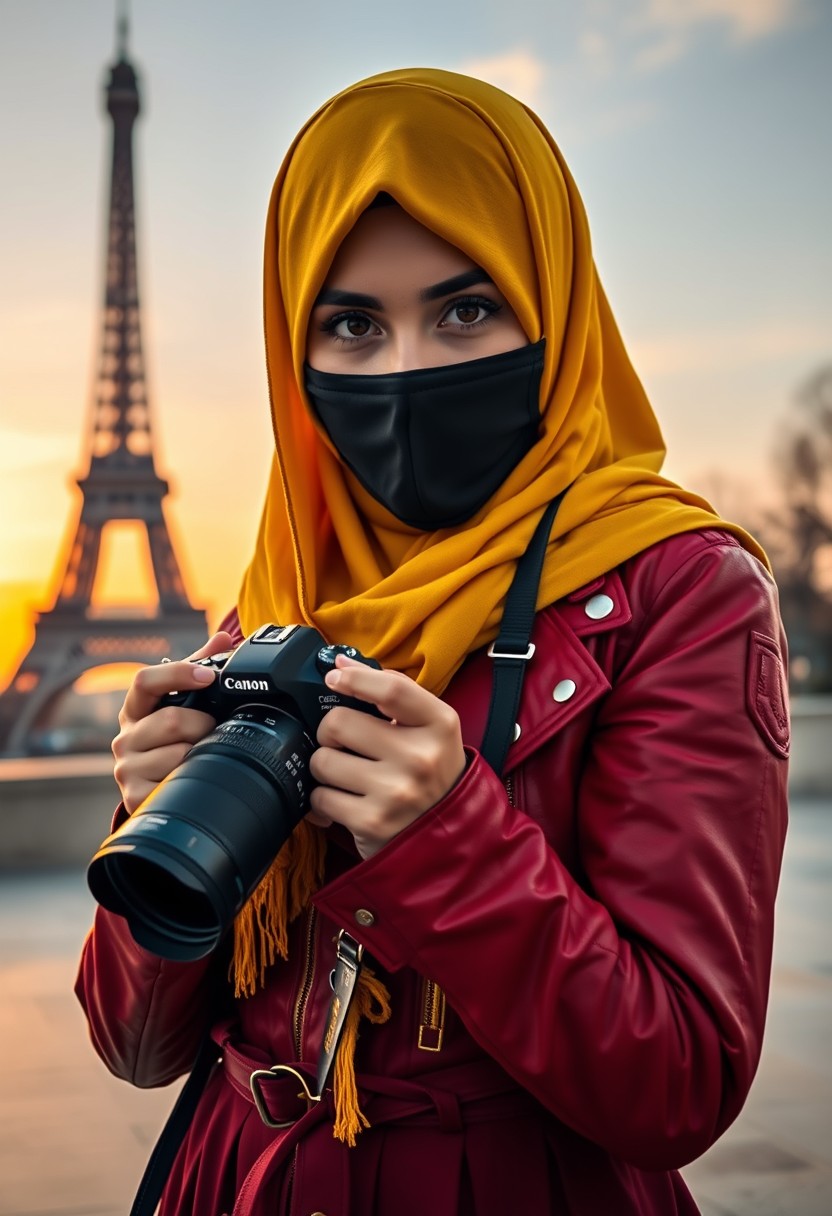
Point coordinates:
[(325, 658), (214, 661)]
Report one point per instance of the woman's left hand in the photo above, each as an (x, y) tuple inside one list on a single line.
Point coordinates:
[(377, 776)]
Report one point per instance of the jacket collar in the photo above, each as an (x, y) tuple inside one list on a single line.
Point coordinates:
[(562, 677)]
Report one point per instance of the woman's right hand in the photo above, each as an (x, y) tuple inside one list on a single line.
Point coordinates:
[(151, 742)]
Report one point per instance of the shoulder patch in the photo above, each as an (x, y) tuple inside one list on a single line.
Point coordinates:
[(767, 692)]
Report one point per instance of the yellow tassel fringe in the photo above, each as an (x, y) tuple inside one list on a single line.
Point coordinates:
[(371, 1001), (261, 936), (261, 928)]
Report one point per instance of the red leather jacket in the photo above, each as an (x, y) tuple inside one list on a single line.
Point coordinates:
[(600, 925)]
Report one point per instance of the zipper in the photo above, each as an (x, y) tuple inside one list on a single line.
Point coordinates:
[(432, 1024), (306, 983), (509, 784), (298, 1015)]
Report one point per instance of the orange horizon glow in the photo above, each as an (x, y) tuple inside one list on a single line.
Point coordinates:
[(124, 587)]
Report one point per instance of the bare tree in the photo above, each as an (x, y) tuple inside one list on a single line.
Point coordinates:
[(798, 535)]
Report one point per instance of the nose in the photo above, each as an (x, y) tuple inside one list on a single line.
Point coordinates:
[(413, 349)]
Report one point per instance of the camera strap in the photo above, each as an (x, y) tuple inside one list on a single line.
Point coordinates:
[(512, 649), (343, 980), (173, 1133)]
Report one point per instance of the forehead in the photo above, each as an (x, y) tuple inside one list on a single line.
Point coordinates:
[(387, 242)]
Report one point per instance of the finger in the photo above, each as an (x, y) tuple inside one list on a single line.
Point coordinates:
[(162, 727), (395, 695), (151, 683), (135, 793), (139, 774), (356, 731), (339, 806), (368, 830), (216, 644), (341, 770)]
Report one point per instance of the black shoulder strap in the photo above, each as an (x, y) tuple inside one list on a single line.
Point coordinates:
[(173, 1133), (511, 649)]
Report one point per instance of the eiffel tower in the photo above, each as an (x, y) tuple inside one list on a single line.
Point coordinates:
[(121, 484)]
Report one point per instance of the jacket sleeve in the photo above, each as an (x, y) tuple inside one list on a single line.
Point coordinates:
[(632, 1004), (146, 1015)]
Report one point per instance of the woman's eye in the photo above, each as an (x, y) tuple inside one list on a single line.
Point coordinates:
[(355, 327), (469, 312), (349, 327)]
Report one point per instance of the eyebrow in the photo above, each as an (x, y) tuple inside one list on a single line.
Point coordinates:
[(348, 299), (468, 278), (356, 299)]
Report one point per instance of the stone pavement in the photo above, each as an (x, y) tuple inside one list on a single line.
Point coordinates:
[(73, 1140)]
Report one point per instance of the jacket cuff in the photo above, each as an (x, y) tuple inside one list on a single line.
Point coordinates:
[(120, 817), (392, 901)]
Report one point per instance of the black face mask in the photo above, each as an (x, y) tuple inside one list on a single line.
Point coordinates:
[(433, 445)]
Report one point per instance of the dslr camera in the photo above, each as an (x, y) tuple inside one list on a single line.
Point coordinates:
[(181, 867)]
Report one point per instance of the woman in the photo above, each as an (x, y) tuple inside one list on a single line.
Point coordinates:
[(568, 968)]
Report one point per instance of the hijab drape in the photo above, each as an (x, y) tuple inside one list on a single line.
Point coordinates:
[(479, 169)]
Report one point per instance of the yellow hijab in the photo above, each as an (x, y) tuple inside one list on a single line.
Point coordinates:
[(479, 169)]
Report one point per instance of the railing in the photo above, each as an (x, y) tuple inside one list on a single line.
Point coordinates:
[(811, 759)]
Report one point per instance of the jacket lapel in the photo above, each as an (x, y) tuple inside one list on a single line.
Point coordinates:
[(562, 677)]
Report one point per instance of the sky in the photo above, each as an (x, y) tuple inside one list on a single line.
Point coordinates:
[(698, 132)]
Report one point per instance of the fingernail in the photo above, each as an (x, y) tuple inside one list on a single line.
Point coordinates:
[(203, 675), (332, 679)]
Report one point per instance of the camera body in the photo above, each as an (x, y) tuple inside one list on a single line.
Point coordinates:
[(188, 858), (282, 666)]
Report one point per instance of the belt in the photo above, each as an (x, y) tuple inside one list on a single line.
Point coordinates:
[(447, 1099)]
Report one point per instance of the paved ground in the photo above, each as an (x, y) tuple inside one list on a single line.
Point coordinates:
[(73, 1140)]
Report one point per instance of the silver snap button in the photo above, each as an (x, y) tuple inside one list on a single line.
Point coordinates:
[(364, 917), (598, 607), (564, 690), (517, 732)]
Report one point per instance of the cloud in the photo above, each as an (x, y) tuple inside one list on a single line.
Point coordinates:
[(745, 19), (517, 72), (672, 26), (649, 35)]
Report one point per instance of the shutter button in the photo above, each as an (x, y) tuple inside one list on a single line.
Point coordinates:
[(364, 918), (598, 607)]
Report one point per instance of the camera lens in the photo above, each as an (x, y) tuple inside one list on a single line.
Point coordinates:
[(183, 865)]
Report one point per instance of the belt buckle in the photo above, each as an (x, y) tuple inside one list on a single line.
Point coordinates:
[(259, 1101)]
